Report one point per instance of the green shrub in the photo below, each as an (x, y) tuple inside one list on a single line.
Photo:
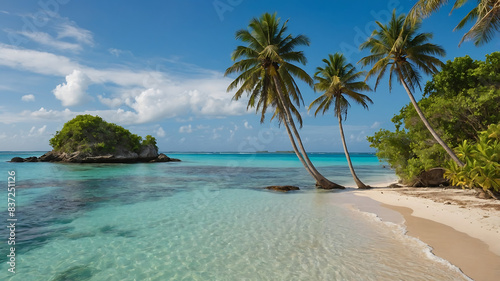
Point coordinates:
[(482, 162), (460, 101), (92, 135), (149, 140)]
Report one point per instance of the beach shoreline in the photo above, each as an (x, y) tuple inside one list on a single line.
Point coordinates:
[(458, 226)]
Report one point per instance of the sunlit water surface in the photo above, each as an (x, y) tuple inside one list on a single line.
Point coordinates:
[(206, 218)]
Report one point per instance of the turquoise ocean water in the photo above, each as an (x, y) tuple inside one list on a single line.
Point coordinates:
[(205, 218)]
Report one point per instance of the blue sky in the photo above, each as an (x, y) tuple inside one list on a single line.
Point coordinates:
[(156, 67)]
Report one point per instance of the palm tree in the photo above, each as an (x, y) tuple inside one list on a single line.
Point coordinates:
[(486, 14), (338, 81), (266, 74), (400, 48)]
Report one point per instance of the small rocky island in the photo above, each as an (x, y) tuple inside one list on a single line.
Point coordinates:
[(90, 139)]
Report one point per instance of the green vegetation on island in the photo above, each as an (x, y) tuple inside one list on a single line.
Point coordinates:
[(92, 135), (90, 139), (461, 102)]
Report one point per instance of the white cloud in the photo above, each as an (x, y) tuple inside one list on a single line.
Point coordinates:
[(117, 52), (111, 102), (149, 95), (37, 132), (160, 132), (202, 127), (47, 40), (215, 134), (247, 125), (73, 92), (69, 29), (36, 61), (68, 36), (186, 129), (213, 100), (28, 98), (375, 125), (42, 129), (45, 114)]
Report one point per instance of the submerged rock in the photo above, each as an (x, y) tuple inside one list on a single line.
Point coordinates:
[(282, 188)]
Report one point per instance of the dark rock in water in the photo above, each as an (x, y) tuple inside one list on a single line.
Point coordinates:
[(431, 178), (164, 158), (50, 156), (282, 188), (75, 273), (31, 159), (17, 159), (122, 156)]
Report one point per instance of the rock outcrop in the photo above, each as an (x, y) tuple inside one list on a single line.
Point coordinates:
[(90, 139), (148, 154), (282, 188), (431, 178)]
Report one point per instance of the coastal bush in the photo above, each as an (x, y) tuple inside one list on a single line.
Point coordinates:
[(460, 101), (149, 140), (482, 162), (92, 135)]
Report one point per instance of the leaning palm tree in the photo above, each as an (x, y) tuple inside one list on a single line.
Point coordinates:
[(486, 15), (266, 74), (339, 81), (398, 47)]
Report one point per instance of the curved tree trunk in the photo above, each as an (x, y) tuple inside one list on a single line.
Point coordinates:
[(294, 145), (427, 125), (321, 181), (358, 182)]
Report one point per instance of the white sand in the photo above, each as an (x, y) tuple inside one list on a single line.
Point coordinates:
[(472, 239), (481, 222)]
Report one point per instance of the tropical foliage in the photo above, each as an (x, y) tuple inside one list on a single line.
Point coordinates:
[(92, 135), (399, 48), (486, 16), (460, 101), (482, 162), (267, 74), (339, 82)]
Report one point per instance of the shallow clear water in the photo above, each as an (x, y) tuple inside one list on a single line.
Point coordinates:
[(206, 218)]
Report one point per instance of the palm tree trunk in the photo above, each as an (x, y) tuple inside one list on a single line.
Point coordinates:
[(294, 145), (358, 182), (427, 125), (321, 181)]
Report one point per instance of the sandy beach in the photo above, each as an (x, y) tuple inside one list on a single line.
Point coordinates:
[(458, 226)]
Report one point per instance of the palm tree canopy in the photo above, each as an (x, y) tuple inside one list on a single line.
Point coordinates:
[(399, 47), (269, 52), (486, 14), (340, 83)]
